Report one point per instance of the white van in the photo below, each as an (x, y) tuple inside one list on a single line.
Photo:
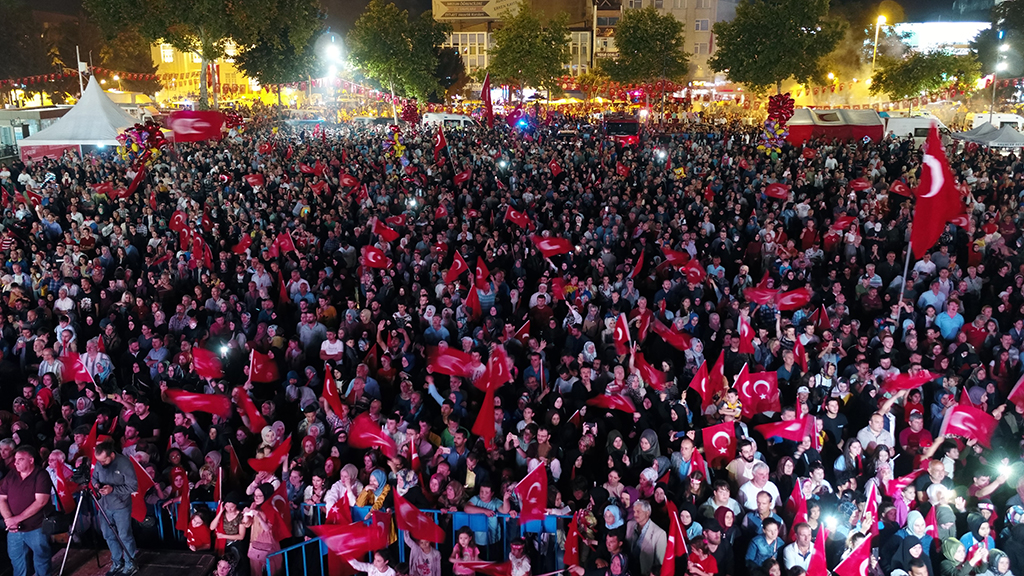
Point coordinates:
[(999, 120), (917, 126), (449, 120)]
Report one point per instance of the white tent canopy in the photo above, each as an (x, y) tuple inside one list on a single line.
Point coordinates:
[(94, 121), (977, 134)]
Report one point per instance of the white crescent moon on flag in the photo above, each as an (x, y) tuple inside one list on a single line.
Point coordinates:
[(767, 387), (935, 167), (714, 441), (744, 388)]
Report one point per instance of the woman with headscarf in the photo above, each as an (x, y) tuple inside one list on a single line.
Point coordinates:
[(84, 412), (613, 522), (267, 529), (980, 532), (956, 561), (646, 451), (615, 446), (910, 549), (377, 495), (727, 520), (916, 527), (998, 564)]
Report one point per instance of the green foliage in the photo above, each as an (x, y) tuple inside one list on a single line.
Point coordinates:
[(450, 71), (770, 41), (922, 73), (650, 48), (527, 52), (397, 52), (201, 27), (286, 50), (591, 81)]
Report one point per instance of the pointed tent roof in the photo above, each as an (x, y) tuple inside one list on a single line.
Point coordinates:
[(977, 134), (95, 120)]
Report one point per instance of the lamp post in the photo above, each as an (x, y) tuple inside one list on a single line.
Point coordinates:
[(874, 52), (1001, 67)]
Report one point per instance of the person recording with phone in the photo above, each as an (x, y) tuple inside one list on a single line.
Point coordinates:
[(23, 496), (115, 481)]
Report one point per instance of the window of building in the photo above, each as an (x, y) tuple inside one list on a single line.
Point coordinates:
[(167, 53), (635, 4), (678, 4), (701, 25), (659, 4), (703, 4), (700, 48)]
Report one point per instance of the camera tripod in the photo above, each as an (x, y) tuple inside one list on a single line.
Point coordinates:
[(91, 490)]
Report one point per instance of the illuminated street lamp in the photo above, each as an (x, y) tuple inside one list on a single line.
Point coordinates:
[(874, 53), (1001, 67)]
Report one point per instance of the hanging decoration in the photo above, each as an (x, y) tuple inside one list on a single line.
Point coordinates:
[(780, 110), (411, 113), (141, 144)]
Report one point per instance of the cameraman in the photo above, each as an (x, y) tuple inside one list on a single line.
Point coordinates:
[(23, 496), (114, 478)]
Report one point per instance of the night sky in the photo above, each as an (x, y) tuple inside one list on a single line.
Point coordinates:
[(342, 13)]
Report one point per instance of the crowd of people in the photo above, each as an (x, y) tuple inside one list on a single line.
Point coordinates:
[(293, 219)]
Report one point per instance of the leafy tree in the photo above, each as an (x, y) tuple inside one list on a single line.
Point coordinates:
[(397, 52), (770, 41), (591, 81), (203, 27), (286, 50), (920, 73), (650, 48), (25, 49), (529, 53), (450, 71)]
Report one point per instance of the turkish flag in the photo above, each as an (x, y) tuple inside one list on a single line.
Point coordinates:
[(243, 244), (678, 340), (797, 503), (254, 180), (419, 525), (184, 506), (621, 335), (449, 361), (901, 188), (809, 153), (872, 508), (639, 265), (105, 188), (320, 187), (374, 257), (179, 221), (457, 268), (896, 485), (937, 198), (701, 384), (901, 382), (533, 494), (760, 295), (482, 274), (777, 190), (484, 425), (262, 368), (746, 336), (675, 258), (195, 125), (612, 403), (554, 168), (396, 220), (206, 364), (330, 392), (351, 541), (284, 242), (571, 556), (523, 333), (485, 98), (858, 562), (489, 568), (209, 403), (695, 273), (652, 376), (551, 246), (364, 433), (621, 169), (518, 218), (348, 181), (256, 421), (746, 396), (1017, 393), (305, 168), (139, 496), (462, 176), (843, 222), (818, 565), (473, 303), (265, 148), (272, 462), (720, 443), (793, 299), (820, 319), (860, 184), (384, 232), (970, 423), (497, 374), (790, 430), (65, 488), (676, 545), (74, 369), (931, 523), (439, 143)]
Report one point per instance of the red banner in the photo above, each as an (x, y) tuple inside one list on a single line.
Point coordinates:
[(195, 126)]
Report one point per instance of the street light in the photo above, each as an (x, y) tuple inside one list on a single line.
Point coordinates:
[(874, 52), (831, 76), (1001, 67)]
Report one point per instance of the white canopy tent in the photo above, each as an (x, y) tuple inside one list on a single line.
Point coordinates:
[(977, 134), (94, 121)]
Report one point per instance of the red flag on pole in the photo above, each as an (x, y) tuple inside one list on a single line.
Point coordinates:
[(777, 190), (350, 541), (858, 562), (380, 229), (678, 340), (364, 433), (746, 336), (794, 299), (256, 421), (439, 143), (330, 392), (701, 384), (416, 523), (551, 246), (262, 368), (449, 361), (139, 496), (485, 97), (937, 198), (818, 566), (533, 494), (571, 557), (523, 333), (621, 335), (794, 430), (275, 460), (902, 382), (374, 257), (931, 524), (457, 268), (720, 443), (612, 403), (206, 364), (191, 402), (797, 503), (970, 423), (65, 488), (482, 274), (518, 218), (651, 375)]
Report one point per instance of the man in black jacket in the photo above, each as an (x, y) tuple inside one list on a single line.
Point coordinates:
[(114, 477)]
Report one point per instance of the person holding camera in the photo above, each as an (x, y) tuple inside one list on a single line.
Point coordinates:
[(23, 497), (115, 480)]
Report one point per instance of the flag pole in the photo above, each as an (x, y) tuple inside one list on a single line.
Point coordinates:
[(903, 286)]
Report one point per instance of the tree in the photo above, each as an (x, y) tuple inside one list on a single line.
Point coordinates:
[(397, 52), (770, 41), (286, 50), (591, 81), (450, 72), (26, 52), (650, 48), (203, 27), (529, 53), (922, 73)]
